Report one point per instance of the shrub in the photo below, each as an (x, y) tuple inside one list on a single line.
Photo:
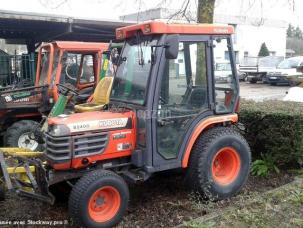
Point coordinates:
[(262, 167), (275, 129)]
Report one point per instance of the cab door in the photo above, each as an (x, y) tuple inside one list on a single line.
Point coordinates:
[(184, 94)]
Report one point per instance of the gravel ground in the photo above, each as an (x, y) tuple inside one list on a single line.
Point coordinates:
[(260, 91), (162, 201)]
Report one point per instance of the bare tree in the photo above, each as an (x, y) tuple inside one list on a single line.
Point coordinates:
[(53, 4)]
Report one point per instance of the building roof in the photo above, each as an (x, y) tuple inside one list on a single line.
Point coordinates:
[(22, 28), (172, 15), (159, 27)]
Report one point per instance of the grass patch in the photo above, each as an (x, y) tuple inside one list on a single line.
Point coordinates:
[(281, 207)]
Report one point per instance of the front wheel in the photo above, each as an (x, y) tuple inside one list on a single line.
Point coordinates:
[(219, 164), (20, 135), (99, 199)]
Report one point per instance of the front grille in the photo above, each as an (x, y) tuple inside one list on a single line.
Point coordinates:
[(60, 148), (88, 144)]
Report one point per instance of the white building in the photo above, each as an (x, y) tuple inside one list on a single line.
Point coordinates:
[(250, 32)]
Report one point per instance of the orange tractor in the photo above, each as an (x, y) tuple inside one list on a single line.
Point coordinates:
[(166, 111), (76, 64)]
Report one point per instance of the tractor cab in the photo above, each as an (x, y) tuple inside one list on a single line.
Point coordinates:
[(75, 64), (167, 73)]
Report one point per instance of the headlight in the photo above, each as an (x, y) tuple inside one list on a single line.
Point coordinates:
[(58, 130)]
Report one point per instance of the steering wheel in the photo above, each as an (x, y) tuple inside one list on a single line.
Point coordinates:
[(69, 69), (66, 90)]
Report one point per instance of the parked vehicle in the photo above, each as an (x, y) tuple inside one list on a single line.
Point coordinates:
[(223, 72), (153, 122), (285, 70), (76, 64), (256, 68)]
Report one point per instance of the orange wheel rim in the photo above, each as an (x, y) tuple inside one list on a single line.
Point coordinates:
[(226, 166), (104, 204)]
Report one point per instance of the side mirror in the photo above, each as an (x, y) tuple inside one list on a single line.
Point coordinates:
[(172, 46)]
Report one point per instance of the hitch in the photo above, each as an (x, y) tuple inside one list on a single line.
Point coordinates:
[(23, 172)]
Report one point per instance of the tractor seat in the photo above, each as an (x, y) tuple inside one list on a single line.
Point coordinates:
[(100, 96)]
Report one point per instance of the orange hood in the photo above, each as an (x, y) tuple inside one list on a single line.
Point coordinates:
[(92, 121)]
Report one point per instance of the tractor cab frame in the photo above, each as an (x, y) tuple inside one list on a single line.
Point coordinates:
[(157, 78), (75, 63)]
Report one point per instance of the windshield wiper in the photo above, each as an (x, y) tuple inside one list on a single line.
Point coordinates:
[(140, 51)]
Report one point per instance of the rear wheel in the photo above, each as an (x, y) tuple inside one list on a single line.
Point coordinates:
[(99, 199), (20, 134), (253, 80), (219, 163), (292, 83)]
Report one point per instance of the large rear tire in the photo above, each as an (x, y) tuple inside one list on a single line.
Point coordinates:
[(18, 135), (99, 199), (219, 163)]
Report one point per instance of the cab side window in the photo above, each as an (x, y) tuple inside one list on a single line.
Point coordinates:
[(184, 82)]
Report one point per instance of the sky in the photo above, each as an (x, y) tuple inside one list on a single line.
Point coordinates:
[(287, 10)]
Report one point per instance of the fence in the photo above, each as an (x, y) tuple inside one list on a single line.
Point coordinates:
[(17, 68)]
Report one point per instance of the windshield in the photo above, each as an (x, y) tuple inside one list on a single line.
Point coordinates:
[(223, 67), (132, 74), (289, 63), (77, 67), (44, 67)]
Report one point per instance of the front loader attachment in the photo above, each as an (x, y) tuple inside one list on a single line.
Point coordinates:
[(22, 171)]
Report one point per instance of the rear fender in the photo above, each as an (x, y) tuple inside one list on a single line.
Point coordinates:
[(201, 126)]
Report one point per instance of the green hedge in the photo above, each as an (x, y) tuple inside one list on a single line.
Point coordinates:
[(274, 128)]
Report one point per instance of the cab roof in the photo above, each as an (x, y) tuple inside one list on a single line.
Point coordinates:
[(159, 27), (78, 46)]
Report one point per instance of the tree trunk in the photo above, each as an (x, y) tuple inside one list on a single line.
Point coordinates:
[(205, 14)]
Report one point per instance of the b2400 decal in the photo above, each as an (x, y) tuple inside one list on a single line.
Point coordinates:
[(97, 125)]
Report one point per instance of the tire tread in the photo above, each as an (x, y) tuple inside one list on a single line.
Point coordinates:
[(80, 188), (194, 177)]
